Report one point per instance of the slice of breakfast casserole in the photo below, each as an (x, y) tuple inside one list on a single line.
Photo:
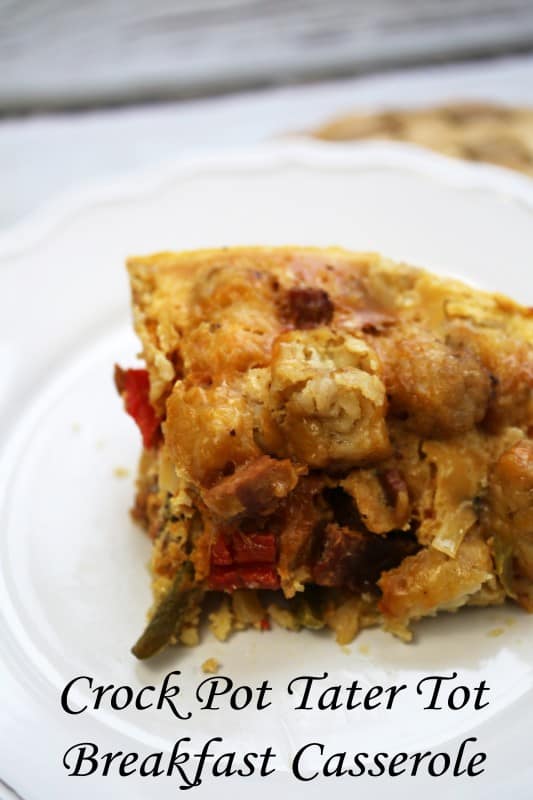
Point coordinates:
[(330, 438)]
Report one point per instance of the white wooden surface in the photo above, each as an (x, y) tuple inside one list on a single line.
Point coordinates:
[(41, 156), (61, 52)]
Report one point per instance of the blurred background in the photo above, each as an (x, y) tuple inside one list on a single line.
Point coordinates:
[(91, 90)]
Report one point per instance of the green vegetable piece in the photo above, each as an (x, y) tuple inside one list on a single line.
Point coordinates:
[(169, 614), (503, 559), (306, 615)]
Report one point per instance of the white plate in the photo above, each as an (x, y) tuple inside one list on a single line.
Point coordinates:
[(73, 581)]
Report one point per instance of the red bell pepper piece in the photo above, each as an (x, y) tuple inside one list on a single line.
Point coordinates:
[(221, 553), (135, 385), (243, 561), (249, 576), (259, 576), (254, 548), (243, 548), (224, 579)]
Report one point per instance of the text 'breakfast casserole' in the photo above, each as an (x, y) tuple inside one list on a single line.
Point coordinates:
[(330, 439)]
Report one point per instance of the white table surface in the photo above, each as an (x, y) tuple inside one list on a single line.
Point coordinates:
[(41, 156)]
